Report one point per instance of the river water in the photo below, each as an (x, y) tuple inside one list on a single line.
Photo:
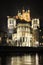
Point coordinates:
[(26, 59)]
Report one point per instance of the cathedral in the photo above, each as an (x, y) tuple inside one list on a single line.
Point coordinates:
[(22, 30)]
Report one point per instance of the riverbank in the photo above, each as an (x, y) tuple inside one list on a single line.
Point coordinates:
[(11, 50)]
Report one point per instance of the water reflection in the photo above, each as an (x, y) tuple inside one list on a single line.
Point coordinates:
[(22, 60), (41, 59), (37, 59), (30, 59), (0, 60)]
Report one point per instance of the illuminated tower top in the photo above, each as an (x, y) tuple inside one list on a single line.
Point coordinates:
[(25, 15)]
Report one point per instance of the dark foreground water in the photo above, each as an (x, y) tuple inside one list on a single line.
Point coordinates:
[(26, 59)]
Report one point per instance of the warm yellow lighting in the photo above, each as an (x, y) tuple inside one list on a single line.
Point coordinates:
[(16, 17), (0, 38), (7, 16), (24, 16), (37, 59), (14, 37), (40, 30), (42, 37)]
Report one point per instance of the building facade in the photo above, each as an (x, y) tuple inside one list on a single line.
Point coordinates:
[(35, 31), (27, 29), (23, 34), (11, 22)]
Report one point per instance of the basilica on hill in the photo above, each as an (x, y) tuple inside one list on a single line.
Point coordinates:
[(22, 30)]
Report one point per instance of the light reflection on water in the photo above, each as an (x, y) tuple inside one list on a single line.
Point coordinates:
[(30, 59), (23, 60), (0, 60)]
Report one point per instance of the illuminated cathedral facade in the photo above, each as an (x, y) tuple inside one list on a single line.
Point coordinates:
[(23, 30)]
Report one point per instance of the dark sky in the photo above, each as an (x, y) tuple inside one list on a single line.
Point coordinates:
[(11, 7)]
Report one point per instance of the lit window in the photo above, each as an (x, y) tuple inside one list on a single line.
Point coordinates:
[(35, 22), (11, 21), (23, 39), (26, 29), (31, 40)]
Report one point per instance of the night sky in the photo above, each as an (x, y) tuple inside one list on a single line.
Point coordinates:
[(11, 7)]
